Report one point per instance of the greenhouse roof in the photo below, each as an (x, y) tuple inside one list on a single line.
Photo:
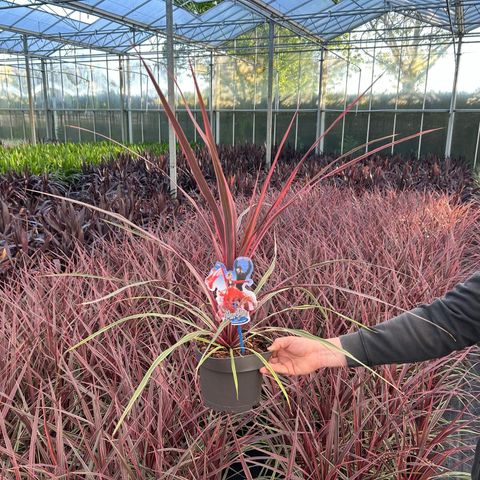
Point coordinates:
[(115, 26)]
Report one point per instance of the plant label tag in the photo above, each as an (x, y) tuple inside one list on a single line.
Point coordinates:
[(235, 302), (238, 317)]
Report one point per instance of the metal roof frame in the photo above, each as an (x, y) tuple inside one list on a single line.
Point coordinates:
[(100, 35), (121, 25)]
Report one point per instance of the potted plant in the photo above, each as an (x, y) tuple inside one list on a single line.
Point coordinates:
[(229, 350)]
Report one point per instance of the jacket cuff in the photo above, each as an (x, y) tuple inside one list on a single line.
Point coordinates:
[(353, 344)]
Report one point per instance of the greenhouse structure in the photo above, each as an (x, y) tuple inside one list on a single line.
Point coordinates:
[(76, 63), (239, 239)]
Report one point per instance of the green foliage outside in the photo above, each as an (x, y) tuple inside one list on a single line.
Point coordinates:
[(195, 7), (66, 158)]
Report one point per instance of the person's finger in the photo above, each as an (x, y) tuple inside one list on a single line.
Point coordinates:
[(272, 360), (277, 368), (279, 344)]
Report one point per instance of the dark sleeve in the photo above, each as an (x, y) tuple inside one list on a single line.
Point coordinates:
[(407, 338)]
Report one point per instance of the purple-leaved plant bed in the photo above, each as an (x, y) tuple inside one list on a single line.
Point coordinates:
[(137, 189), (59, 408)]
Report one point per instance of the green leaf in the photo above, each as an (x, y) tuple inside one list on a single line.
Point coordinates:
[(271, 295), (288, 309), (274, 375), (234, 371), (134, 317), (315, 304), (270, 270), (83, 275), (119, 290), (138, 391), (209, 353), (186, 305), (332, 310), (214, 338)]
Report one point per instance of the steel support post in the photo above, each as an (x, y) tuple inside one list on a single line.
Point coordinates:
[(31, 109), (210, 90), (46, 101), (121, 74), (453, 102), (271, 32), (476, 148), (419, 151), (320, 127), (53, 102), (128, 115), (172, 146)]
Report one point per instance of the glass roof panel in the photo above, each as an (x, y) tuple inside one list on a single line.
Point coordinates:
[(230, 20), (13, 42), (344, 17), (108, 23)]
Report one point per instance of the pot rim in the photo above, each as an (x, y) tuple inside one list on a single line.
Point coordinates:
[(243, 363)]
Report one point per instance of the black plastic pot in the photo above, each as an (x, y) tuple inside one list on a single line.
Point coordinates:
[(218, 387)]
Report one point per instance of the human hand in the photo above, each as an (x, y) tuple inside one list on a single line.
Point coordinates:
[(300, 356)]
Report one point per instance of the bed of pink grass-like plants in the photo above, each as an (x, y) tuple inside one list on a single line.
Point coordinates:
[(59, 409)]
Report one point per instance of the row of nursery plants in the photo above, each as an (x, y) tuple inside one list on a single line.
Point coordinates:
[(64, 159), (373, 254), (240, 163), (138, 189)]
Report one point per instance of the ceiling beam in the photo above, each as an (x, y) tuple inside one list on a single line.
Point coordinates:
[(9, 51)]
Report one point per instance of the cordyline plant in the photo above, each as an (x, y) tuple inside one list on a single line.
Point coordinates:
[(229, 240)]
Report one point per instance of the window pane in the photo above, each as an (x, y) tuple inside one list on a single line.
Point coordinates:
[(226, 126), (282, 120), (468, 90), (335, 70), (465, 135), (150, 126), (355, 130), (102, 124), (332, 142), (260, 128), (306, 130), (381, 125), (5, 131), (407, 124), (434, 143), (136, 127), (243, 127), (440, 77)]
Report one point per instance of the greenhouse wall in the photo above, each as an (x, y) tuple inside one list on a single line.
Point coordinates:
[(109, 95)]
